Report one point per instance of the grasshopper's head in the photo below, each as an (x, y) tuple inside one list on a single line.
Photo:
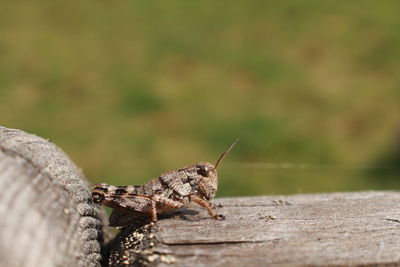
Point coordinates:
[(208, 183)]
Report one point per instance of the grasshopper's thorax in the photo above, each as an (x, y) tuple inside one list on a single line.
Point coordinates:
[(208, 182)]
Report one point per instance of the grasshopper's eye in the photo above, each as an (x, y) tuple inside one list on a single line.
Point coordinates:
[(203, 170)]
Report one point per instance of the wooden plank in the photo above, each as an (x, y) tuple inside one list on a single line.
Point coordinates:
[(317, 229)]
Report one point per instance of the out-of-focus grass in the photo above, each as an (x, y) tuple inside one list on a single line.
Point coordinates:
[(131, 89)]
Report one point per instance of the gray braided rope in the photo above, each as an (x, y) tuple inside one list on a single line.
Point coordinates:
[(46, 213)]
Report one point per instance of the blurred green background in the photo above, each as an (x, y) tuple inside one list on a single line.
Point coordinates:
[(130, 89)]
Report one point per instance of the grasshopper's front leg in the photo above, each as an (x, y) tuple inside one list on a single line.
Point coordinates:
[(205, 204), (153, 210)]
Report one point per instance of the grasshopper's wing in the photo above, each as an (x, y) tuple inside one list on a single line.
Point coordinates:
[(120, 217)]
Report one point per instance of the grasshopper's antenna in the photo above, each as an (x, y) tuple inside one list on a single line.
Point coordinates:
[(224, 154)]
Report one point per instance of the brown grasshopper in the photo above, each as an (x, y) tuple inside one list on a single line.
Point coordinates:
[(171, 190)]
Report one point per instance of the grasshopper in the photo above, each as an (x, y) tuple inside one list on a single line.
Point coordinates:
[(171, 190)]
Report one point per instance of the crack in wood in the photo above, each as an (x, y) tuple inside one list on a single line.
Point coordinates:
[(253, 205), (392, 220), (222, 242)]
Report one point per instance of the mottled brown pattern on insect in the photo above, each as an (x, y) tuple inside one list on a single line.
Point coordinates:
[(171, 190)]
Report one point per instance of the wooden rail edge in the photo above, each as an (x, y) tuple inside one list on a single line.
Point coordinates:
[(356, 229)]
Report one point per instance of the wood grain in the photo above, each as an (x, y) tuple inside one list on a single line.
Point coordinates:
[(361, 228)]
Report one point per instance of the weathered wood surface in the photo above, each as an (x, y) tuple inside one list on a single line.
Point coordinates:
[(318, 229), (46, 213)]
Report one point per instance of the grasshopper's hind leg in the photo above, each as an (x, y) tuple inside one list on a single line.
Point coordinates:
[(163, 202)]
